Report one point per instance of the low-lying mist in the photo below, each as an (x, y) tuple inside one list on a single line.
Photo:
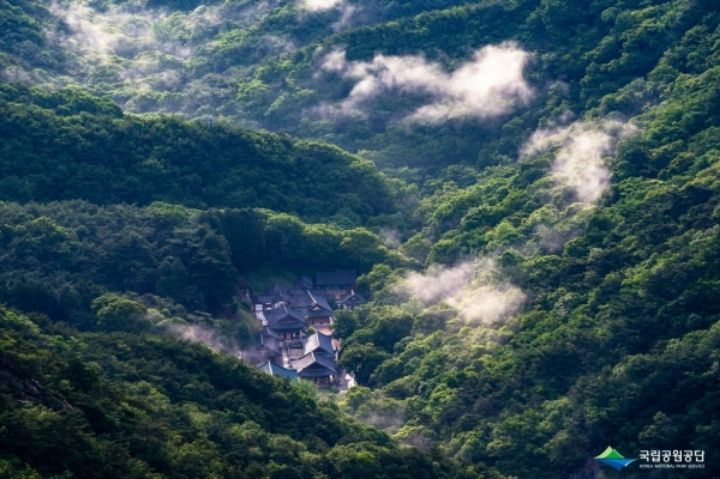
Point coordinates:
[(490, 84), (581, 150), (475, 288)]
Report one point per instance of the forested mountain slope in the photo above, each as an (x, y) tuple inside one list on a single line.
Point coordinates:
[(124, 405), (541, 249), (618, 332), (70, 145), (267, 64), (128, 396), (578, 303), (58, 257)]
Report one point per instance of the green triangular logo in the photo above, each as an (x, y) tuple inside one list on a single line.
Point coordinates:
[(610, 453)]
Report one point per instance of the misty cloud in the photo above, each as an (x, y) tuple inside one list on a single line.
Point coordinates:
[(16, 74), (438, 282), (135, 50), (345, 10), (475, 288), (390, 237), (489, 85), (320, 5), (211, 338), (382, 412), (117, 31), (552, 238), (85, 34), (581, 150)]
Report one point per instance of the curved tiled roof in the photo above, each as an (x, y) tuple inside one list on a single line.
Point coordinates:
[(283, 318), (279, 371), (319, 342), (303, 365)]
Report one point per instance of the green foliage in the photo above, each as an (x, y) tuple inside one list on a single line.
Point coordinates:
[(120, 404), (114, 312), (59, 257), (85, 149), (620, 299), (617, 341)]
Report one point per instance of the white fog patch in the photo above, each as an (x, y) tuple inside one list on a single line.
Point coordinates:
[(131, 29), (278, 44), (347, 12), (391, 421), (390, 237), (438, 283), (382, 412), (130, 45), (475, 288), (489, 85), (552, 238), (344, 9), (16, 74), (319, 5), (205, 335), (488, 304), (580, 156), (89, 33)]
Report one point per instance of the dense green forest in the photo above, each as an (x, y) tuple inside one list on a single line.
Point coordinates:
[(85, 148), (530, 190), (128, 405)]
